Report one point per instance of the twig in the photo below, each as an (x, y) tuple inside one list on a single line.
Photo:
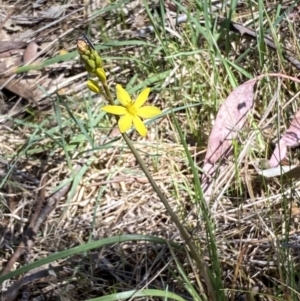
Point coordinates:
[(29, 237), (243, 30), (233, 26), (10, 13), (38, 218), (13, 291)]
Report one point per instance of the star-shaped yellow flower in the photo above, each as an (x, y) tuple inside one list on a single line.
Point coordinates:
[(132, 111)]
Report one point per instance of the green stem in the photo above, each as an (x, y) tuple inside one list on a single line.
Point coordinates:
[(202, 266), (108, 94)]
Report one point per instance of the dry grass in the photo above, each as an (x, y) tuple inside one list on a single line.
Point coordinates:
[(58, 151)]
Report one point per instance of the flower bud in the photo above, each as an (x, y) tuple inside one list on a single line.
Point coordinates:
[(101, 74), (91, 63), (82, 47), (89, 69), (92, 56), (93, 86), (85, 58), (98, 61)]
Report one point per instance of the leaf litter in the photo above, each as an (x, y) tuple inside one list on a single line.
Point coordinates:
[(132, 209), (230, 120)]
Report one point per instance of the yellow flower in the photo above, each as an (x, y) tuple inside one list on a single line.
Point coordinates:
[(132, 111)]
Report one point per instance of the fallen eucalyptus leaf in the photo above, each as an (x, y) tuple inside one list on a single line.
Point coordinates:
[(230, 119), (30, 52), (290, 138), (288, 171)]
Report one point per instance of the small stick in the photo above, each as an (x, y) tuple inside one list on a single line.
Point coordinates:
[(29, 237)]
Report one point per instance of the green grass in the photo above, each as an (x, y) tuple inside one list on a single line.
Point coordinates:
[(109, 231)]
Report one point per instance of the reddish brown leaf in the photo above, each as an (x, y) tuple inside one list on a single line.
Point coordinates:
[(30, 52), (290, 138), (230, 119)]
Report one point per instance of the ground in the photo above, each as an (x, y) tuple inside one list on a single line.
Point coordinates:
[(79, 218)]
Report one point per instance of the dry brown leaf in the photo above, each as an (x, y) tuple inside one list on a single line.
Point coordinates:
[(230, 119), (30, 52), (290, 138)]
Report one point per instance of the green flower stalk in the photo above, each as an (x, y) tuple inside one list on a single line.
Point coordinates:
[(130, 112), (91, 59)]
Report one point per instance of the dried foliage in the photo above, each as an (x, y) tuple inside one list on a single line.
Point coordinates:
[(255, 219)]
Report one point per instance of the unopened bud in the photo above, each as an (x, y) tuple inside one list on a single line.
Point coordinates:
[(93, 86), (91, 63), (82, 47), (101, 74), (98, 61), (84, 57)]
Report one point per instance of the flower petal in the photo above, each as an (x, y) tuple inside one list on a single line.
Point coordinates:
[(148, 112), (139, 125), (125, 123), (123, 96), (116, 110), (142, 97)]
